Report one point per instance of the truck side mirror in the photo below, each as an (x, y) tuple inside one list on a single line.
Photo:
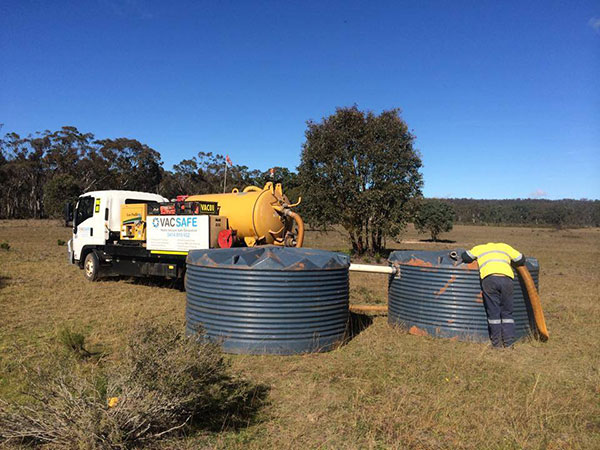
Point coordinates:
[(68, 213)]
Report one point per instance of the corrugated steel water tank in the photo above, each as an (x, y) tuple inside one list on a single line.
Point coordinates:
[(439, 296), (268, 299)]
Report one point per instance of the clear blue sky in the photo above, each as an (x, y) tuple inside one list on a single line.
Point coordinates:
[(504, 97)]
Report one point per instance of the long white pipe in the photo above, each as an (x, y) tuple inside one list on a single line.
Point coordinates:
[(372, 269)]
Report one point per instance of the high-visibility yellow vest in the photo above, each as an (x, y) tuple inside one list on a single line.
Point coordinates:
[(495, 258)]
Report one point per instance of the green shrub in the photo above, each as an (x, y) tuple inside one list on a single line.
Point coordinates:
[(435, 217), (5, 246), (164, 383), (73, 342), (60, 242)]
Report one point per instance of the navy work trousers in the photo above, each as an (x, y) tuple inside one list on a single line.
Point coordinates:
[(498, 302)]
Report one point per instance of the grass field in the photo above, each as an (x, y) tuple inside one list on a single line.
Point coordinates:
[(385, 388)]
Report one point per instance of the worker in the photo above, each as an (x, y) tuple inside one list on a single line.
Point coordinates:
[(497, 277)]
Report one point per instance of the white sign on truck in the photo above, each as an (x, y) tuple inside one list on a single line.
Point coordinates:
[(177, 233)]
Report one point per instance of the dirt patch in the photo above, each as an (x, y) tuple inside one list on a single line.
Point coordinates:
[(416, 331)]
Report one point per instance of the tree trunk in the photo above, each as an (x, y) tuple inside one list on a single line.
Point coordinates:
[(376, 240), (367, 234), (360, 248), (353, 242)]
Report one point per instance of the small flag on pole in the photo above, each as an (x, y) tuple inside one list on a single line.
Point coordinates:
[(228, 160)]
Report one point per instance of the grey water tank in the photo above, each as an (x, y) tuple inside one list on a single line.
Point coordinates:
[(439, 296), (268, 299)]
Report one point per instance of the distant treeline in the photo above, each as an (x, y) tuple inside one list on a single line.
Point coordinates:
[(40, 172), (555, 213)]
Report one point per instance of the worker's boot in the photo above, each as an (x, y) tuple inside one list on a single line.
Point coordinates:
[(495, 330)]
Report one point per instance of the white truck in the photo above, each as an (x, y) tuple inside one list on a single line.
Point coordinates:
[(138, 233)]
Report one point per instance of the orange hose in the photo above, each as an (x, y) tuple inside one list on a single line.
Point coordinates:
[(368, 308), (534, 301), (300, 223)]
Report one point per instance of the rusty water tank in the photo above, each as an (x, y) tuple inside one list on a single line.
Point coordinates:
[(437, 295), (268, 300)]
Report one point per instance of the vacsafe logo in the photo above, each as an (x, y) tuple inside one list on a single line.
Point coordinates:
[(174, 222)]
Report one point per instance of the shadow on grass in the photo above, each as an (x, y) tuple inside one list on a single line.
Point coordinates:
[(244, 408), (370, 258), (356, 324), (439, 241), (158, 282)]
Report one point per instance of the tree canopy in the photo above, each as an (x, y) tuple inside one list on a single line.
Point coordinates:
[(361, 171)]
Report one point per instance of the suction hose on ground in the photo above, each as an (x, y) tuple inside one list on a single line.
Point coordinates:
[(534, 300), (360, 309)]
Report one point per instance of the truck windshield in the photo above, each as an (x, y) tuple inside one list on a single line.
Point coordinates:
[(85, 209)]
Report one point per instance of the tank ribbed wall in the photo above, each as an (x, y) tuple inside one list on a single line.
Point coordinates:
[(445, 300), (268, 311)]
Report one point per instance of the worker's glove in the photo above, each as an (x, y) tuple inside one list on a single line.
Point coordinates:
[(466, 258), (520, 261)]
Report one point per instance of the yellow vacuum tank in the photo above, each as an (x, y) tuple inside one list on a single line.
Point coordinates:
[(259, 216)]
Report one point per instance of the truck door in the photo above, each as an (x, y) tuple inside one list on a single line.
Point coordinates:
[(88, 224), (106, 216)]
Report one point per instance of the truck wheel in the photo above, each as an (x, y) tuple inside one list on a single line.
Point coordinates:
[(91, 267)]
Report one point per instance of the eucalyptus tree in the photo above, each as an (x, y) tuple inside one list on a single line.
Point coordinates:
[(361, 171)]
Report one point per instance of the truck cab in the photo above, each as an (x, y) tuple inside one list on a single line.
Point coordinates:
[(97, 219)]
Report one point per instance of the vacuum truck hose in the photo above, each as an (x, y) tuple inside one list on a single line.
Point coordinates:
[(361, 309), (300, 224), (534, 300)]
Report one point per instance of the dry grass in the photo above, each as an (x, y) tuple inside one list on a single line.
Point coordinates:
[(385, 388), (163, 384)]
